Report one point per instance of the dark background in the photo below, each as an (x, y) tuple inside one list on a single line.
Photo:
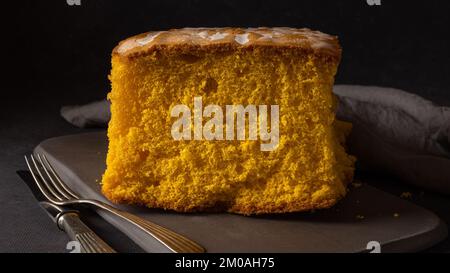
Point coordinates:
[(403, 44), (55, 54)]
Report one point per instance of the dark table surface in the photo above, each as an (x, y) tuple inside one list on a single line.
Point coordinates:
[(24, 225)]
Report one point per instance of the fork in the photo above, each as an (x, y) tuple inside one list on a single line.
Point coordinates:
[(58, 193)]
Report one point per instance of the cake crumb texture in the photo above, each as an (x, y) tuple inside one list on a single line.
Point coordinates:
[(308, 170)]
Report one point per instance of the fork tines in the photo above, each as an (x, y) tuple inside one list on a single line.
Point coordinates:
[(48, 182)]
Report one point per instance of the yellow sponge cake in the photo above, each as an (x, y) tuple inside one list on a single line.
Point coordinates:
[(226, 119)]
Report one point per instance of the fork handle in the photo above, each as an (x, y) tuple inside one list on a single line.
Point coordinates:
[(71, 223), (173, 241)]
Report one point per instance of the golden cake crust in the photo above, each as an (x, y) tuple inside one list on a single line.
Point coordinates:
[(245, 209), (217, 39)]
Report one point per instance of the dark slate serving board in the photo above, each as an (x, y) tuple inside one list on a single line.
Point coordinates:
[(80, 161)]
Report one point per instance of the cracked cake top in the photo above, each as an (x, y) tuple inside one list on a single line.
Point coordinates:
[(230, 38)]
